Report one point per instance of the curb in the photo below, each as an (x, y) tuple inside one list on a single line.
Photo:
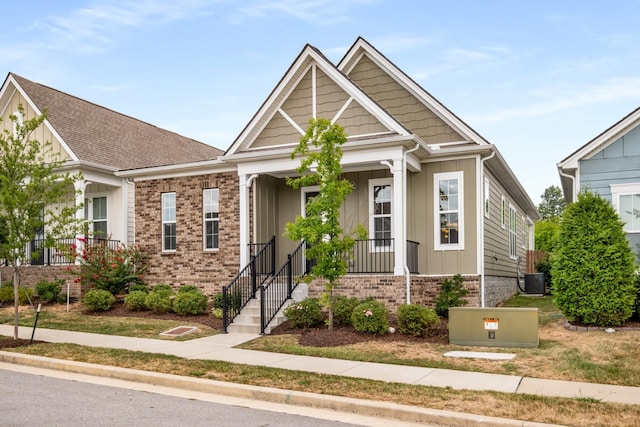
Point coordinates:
[(384, 410)]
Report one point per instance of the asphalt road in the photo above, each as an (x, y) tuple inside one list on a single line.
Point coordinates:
[(39, 397)]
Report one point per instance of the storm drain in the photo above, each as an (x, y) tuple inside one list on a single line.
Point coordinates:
[(178, 331)]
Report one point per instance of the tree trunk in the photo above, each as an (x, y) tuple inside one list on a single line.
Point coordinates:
[(16, 302)]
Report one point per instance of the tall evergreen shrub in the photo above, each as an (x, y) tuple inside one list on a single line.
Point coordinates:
[(593, 265)]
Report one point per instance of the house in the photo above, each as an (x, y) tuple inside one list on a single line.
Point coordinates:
[(609, 165), (436, 198), (97, 142)]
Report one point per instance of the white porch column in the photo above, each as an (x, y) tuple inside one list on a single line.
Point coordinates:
[(80, 187), (245, 186), (398, 217)]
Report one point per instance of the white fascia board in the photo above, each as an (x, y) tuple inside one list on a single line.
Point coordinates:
[(46, 121), (600, 142)]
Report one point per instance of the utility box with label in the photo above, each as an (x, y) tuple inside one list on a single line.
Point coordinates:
[(493, 326)]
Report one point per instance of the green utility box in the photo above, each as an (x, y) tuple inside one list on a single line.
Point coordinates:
[(493, 327)]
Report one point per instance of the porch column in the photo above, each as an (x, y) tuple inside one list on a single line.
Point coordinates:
[(398, 217), (80, 187), (245, 186)]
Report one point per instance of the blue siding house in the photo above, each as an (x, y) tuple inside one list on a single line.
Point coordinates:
[(609, 165)]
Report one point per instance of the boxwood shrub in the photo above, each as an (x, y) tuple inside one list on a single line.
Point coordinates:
[(304, 314), (417, 320), (371, 317), (99, 300), (190, 302)]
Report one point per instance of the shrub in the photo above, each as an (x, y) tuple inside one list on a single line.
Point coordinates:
[(99, 300), (49, 291), (24, 294), (304, 314), (593, 265), (188, 288), (637, 304), (163, 287), (135, 300), (139, 287), (190, 302), (451, 293), (544, 266), (417, 320), (108, 268), (217, 300), (160, 300), (371, 317), (343, 308)]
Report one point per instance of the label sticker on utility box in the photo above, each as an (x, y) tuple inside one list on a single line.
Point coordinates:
[(491, 323)]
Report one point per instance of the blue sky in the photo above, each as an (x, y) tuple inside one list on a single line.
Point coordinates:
[(537, 78)]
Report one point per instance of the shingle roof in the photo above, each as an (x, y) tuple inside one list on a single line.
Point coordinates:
[(99, 135)]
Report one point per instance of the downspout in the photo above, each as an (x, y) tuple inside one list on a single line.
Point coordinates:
[(407, 273), (573, 183), (481, 255)]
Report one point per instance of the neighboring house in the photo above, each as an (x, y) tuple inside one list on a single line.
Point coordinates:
[(609, 165), (436, 198), (97, 142)]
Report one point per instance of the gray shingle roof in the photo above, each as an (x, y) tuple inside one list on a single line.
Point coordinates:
[(99, 135)]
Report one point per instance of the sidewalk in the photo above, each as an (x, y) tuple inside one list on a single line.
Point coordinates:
[(220, 347)]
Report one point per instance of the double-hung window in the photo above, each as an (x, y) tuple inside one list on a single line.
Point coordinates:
[(380, 208), (168, 222), (448, 192), (95, 212), (513, 232), (211, 209), (626, 201)]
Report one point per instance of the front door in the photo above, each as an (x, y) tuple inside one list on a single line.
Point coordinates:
[(309, 194)]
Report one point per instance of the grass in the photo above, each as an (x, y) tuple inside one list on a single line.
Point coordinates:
[(57, 317), (577, 356)]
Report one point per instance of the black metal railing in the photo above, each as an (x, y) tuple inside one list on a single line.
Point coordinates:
[(243, 287), (377, 256), (61, 252), (277, 291)]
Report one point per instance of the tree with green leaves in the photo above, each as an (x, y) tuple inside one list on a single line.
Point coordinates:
[(34, 195), (553, 203), (328, 245), (593, 268)]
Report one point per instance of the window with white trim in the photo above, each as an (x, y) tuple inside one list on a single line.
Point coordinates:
[(95, 212), (523, 232), (211, 209), (513, 232), (504, 212), (380, 212), (168, 222), (625, 199), (448, 194), (487, 197)]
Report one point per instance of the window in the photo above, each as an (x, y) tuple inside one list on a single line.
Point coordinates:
[(169, 221), (523, 231), (380, 224), (449, 218), (513, 230), (95, 212), (625, 198), (211, 209), (487, 199), (504, 212)]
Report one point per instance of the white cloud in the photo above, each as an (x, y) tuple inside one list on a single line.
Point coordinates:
[(317, 12)]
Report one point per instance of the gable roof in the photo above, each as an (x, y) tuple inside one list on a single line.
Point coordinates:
[(307, 57), (100, 136), (568, 167), (362, 47)]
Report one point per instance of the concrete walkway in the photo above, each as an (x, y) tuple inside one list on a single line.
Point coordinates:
[(220, 347)]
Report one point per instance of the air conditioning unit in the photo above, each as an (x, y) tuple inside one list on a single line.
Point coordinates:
[(534, 283)]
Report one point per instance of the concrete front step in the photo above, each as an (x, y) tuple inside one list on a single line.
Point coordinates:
[(248, 321)]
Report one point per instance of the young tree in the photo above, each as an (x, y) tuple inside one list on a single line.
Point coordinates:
[(593, 268), (320, 228), (33, 193), (553, 203)]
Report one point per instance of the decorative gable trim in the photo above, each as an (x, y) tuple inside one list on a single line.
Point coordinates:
[(310, 59)]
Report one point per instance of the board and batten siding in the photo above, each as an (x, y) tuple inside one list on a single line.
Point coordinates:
[(421, 216)]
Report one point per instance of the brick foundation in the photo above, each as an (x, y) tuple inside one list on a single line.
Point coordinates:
[(391, 290)]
